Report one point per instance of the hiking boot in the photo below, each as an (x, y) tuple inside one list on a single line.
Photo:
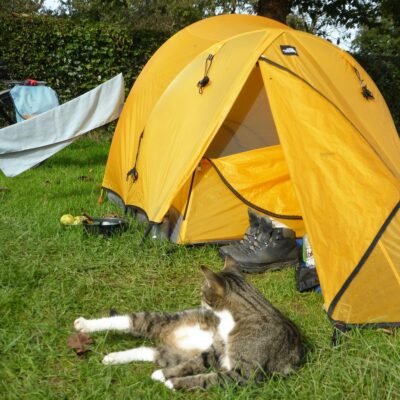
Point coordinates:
[(253, 231), (277, 252)]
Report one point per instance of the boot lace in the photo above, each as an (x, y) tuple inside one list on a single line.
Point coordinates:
[(254, 242)]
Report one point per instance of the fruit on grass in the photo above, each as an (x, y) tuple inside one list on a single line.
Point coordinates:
[(78, 220), (67, 219)]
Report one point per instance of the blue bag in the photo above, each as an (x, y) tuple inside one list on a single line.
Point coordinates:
[(32, 100)]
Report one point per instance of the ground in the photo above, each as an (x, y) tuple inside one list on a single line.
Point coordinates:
[(51, 274)]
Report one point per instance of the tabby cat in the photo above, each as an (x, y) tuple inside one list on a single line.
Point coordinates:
[(236, 332)]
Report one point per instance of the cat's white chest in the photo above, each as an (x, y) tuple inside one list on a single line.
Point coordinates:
[(193, 338), (226, 324)]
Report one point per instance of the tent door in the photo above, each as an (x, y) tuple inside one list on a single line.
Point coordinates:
[(249, 124)]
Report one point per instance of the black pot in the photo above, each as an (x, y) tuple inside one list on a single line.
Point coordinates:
[(105, 226)]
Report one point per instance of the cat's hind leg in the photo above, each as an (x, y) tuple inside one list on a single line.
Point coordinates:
[(122, 323), (200, 381), (124, 357), (194, 365), (205, 380)]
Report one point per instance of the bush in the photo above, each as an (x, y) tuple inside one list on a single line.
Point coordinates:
[(377, 50), (385, 72), (74, 57)]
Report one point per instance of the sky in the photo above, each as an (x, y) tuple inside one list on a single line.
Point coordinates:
[(51, 4)]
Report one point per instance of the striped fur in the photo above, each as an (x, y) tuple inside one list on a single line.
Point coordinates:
[(236, 335)]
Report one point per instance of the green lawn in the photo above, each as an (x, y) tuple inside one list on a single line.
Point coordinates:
[(51, 274)]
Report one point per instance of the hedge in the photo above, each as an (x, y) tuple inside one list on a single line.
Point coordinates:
[(74, 57)]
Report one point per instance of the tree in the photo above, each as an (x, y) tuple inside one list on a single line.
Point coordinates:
[(275, 9), (317, 16), (149, 14), (21, 6), (391, 9), (377, 48), (310, 15)]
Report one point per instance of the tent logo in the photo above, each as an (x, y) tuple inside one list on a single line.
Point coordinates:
[(289, 50)]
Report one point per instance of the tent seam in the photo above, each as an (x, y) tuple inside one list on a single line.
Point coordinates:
[(189, 196), (366, 325), (275, 64)]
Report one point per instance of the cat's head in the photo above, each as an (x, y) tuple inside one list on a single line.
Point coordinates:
[(221, 290)]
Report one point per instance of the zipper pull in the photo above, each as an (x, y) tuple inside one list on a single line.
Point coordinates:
[(133, 173)]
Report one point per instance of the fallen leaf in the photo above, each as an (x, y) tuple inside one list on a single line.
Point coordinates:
[(85, 178), (388, 331), (111, 215), (79, 342)]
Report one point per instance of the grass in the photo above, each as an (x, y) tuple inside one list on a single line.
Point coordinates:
[(51, 274)]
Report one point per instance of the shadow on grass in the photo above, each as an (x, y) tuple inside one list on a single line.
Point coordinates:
[(66, 160)]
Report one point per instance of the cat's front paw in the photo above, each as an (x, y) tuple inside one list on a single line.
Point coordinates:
[(110, 359), (115, 358), (169, 384), (81, 325), (158, 375)]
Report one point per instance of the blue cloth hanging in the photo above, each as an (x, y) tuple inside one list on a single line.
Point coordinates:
[(32, 100)]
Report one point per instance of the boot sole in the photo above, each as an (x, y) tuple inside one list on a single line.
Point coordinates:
[(276, 266), (224, 254)]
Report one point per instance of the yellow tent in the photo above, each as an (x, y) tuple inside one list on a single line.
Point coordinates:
[(283, 122)]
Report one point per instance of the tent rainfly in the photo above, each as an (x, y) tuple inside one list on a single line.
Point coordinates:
[(240, 111)]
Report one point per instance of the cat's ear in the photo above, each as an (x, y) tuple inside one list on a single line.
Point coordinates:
[(214, 280), (231, 266)]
